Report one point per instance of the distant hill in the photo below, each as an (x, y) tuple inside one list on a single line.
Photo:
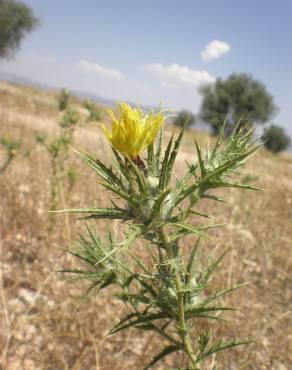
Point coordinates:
[(14, 78), (10, 77)]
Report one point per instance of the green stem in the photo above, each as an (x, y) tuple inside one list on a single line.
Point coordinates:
[(182, 327), (6, 164)]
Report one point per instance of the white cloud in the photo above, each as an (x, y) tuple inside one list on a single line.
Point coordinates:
[(176, 73), (215, 49), (171, 91), (100, 70)]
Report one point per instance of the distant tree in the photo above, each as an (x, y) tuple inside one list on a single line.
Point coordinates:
[(16, 20), (239, 97), (275, 139), (183, 117)]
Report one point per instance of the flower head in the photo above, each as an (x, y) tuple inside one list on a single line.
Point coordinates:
[(133, 131)]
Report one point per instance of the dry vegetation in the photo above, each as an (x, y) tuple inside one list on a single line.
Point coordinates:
[(43, 322)]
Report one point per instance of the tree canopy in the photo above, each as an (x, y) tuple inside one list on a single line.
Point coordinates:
[(239, 97), (16, 21), (275, 139), (184, 117)]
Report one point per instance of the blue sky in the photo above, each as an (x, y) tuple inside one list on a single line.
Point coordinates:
[(159, 51)]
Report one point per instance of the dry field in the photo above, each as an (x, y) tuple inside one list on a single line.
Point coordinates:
[(43, 322)]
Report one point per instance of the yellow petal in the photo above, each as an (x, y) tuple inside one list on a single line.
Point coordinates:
[(134, 130)]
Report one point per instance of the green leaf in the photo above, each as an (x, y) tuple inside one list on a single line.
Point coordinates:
[(144, 318), (186, 192), (158, 150), (192, 260), (198, 213), (164, 168), (197, 311), (190, 228), (140, 177), (201, 162), (151, 165), (122, 194), (213, 197), (173, 156), (222, 184), (102, 170), (224, 292), (214, 265), (220, 346), (97, 213), (226, 166), (120, 164), (128, 297), (165, 352), (158, 202)]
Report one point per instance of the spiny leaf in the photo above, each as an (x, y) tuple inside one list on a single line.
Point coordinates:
[(165, 352), (214, 265), (139, 320), (122, 194), (151, 159), (110, 213), (173, 155), (222, 184), (194, 312), (192, 260), (219, 140), (224, 292), (199, 213), (120, 164), (142, 298), (190, 228), (102, 170), (140, 178), (186, 192), (157, 205), (201, 162), (164, 168), (226, 166), (220, 346), (213, 197), (158, 149)]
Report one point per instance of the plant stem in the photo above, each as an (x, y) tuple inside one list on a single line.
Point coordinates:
[(7, 162), (182, 327)]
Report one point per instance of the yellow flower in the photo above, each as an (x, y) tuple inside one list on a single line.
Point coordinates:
[(133, 131)]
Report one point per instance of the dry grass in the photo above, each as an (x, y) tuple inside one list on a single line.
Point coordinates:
[(44, 324)]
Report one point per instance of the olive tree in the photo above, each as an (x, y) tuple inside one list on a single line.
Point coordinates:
[(239, 98), (275, 139), (183, 118), (16, 21)]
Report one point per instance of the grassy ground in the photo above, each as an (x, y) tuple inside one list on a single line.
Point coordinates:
[(43, 322)]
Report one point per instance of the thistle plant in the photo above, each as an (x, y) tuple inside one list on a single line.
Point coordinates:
[(165, 289), (58, 150), (94, 112), (11, 146), (63, 99)]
